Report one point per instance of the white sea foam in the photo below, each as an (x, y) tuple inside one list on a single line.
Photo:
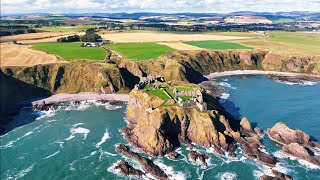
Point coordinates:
[(91, 154), (103, 139), (78, 130), (43, 114), (11, 143), (223, 97), (112, 168), (302, 162), (227, 176), (303, 83), (169, 171), (22, 173), (225, 84), (51, 155)]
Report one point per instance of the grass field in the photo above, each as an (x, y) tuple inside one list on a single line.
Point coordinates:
[(65, 28), (216, 45), (140, 51), (290, 43), (283, 20), (69, 51)]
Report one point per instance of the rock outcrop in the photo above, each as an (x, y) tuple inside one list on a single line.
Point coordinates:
[(147, 165), (157, 131), (126, 169), (276, 176), (284, 135), (296, 142), (197, 157), (296, 150)]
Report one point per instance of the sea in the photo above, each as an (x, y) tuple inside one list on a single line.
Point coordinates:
[(78, 142)]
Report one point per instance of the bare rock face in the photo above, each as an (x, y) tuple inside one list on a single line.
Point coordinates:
[(147, 165), (198, 157), (284, 135), (127, 170), (296, 150)]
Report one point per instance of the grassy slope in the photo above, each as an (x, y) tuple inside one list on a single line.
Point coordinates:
[(140, 51), (216, 45), (69, 51)]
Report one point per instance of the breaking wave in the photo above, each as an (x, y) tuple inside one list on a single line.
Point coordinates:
[(227, 176), (103, 139), (78, 130)]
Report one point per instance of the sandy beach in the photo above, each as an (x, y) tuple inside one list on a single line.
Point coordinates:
[(257, 72), (82, 97)]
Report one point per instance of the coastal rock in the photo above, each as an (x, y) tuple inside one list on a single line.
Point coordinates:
[(173, 155), (296, 150), (266, 159), (277, 176), (284, 135), (45, 107), (198, 157), (146, 164), (127, 170), (259, 132)]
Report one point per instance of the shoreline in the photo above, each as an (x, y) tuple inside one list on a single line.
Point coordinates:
[(82, 96), (257, 72)]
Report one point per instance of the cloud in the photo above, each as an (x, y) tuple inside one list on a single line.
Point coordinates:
[(219, 6)]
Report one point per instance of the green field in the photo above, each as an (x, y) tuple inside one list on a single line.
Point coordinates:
[(283, 20), (65, 28), (69, 51), (140, 51), (216, 45)]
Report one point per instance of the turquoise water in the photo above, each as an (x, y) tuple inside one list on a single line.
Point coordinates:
[(78, 142)]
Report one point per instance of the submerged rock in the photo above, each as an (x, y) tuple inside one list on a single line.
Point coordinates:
[(127, 170), (146, 164)]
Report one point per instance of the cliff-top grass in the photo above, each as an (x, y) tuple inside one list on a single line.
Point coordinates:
[(70, 51), (140, 51)]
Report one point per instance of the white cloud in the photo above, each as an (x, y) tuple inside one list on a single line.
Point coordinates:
[(220, 6)]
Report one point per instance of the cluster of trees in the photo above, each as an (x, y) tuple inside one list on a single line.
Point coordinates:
[(217, 27), (90, 36), (73, 38), (9, 30)]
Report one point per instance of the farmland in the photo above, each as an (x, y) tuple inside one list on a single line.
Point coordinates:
[(69, 51), (22, 55), (216, 45), (140, 51), (155, 36)]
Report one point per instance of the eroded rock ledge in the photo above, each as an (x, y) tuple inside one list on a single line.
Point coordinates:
[(296, 143)]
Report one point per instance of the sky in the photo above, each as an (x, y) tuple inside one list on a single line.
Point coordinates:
[(163, 6)]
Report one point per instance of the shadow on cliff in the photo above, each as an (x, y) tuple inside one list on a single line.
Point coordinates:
[(12, 92)]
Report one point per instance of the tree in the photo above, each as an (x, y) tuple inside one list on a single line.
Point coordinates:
[(90, 37)]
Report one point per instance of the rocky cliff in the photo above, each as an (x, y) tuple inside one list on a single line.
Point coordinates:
[(158, 130)]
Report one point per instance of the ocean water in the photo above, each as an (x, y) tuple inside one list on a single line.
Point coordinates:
[(78, 142)]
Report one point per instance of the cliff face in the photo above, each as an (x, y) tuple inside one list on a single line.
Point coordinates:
[(158, 130), (72, 77), (188, 66)]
